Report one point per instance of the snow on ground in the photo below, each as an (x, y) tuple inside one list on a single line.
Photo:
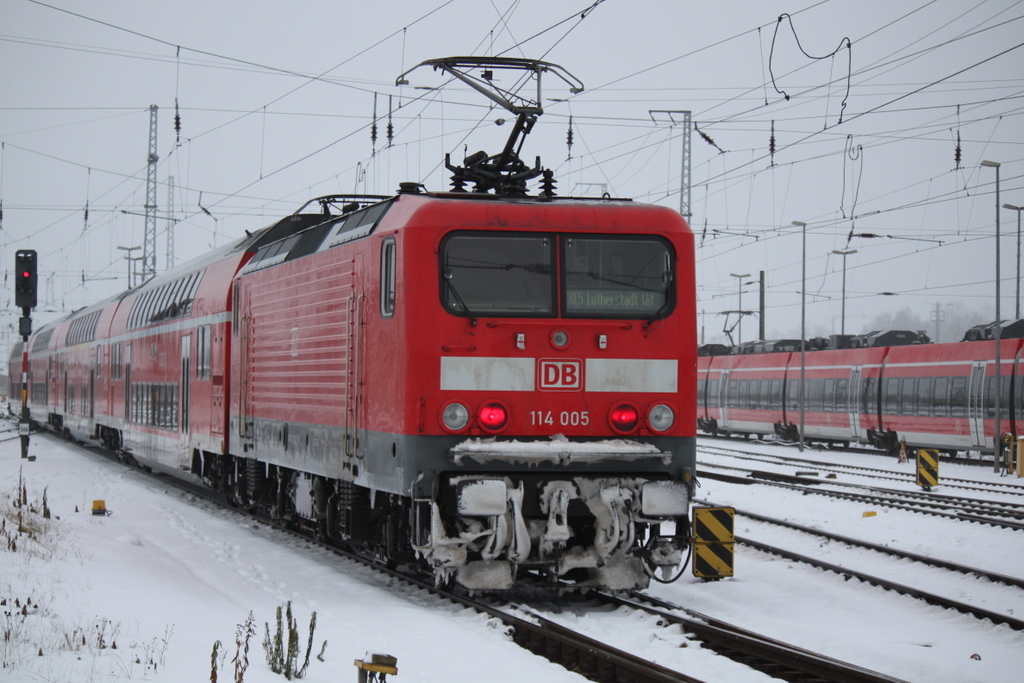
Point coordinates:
[(166, 578), (862, 624)]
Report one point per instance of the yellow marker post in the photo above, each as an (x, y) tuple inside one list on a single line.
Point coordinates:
[(377, 668), (713, 542), (927, 468), (1020, 460)]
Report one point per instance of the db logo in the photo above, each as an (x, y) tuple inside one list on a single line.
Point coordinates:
[(560, 375)]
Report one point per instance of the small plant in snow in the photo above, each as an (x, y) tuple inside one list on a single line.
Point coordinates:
[(242, 636), (283, 658)]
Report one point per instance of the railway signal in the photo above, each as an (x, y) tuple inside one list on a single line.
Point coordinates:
[(25, 279), (25, 298)]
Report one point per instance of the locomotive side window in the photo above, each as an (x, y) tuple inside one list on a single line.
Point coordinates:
[(497, 274), (387, 278), (629, 277)]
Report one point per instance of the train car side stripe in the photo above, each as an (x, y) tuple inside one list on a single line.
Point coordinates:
[(632, 375), (469, 373)]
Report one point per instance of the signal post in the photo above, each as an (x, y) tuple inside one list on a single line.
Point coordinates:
[(25, 263)]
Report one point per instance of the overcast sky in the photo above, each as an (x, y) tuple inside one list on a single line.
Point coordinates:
[(276, 102)]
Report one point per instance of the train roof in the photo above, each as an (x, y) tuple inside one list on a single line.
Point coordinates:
[(875, 339)]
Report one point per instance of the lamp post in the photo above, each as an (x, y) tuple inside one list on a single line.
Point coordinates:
[(128, 258), (739, 334), (1018, 209), (999, 333), (803, 325), (844, 254)]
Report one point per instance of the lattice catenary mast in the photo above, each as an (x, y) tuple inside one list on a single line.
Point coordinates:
[(149, 243)]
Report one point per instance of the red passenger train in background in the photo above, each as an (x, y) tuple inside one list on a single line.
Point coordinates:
[(893, 388), (494, 386)]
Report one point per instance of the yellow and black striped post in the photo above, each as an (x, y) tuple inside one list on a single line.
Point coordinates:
[(927, 468), (713, 542)]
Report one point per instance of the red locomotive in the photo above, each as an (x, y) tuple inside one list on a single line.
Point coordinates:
[(494, 386)]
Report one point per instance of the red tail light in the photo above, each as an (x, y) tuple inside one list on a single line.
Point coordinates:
[(492, 416), (624, 418)]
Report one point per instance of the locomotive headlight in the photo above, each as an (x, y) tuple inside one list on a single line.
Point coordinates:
[(455, 416), (492, 416), (624, 418), (660, 418)]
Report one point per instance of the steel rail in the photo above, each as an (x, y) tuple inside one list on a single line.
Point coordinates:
[(803, 487), (768, 655), (958, 482), (894, 552), (930, 598)]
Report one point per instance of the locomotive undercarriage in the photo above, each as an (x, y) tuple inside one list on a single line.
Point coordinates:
[(492, 533), (483, 532)]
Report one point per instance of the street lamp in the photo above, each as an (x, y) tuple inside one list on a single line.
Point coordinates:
[(128, 258), (844, 254), (1018, 209), (803, 325), (998, 332), (739, 335)]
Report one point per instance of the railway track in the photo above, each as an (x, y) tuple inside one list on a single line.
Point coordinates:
[(888, 550), (980, 461), (896, 501), (772, 657), (596, 660), (928, 597), (1009, 488)]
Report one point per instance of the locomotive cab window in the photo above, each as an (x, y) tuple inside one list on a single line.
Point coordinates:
[(387, 278), (514, 274), (498, 274), (620, 277)]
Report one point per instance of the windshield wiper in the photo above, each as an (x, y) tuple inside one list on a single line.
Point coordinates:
[(664, 306), (458, 298), (657, 314)]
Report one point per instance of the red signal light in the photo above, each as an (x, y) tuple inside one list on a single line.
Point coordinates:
[(624, 417), (492, 416)]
